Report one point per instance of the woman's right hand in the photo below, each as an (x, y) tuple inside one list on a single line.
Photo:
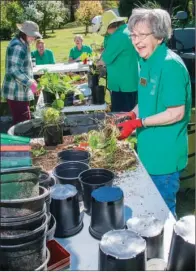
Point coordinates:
[(33, 87)]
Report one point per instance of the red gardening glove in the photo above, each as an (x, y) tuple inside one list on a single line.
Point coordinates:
[(126, 128), (122, 117)]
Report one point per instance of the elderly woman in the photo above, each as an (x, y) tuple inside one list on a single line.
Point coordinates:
[(77, 51), (164, 103), (120, 58), (18, 85)]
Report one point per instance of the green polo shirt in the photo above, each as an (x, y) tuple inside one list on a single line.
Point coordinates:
[(46, 58), (75, 52), (121, 61), (164, 82)]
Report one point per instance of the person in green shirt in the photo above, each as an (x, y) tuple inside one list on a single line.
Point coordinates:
[(42, 55), (164, 103), (120, 58), (76, 52)]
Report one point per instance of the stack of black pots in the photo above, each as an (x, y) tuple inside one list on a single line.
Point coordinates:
[(23, 221), (98, 92)]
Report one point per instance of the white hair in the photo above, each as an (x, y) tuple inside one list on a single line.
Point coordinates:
[(78, 37), (158, 20)]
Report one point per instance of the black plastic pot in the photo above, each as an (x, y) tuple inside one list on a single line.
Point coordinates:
[(23, 256), (53, 135), (92, 179), (122, 250), (65, 208), (98, 95), (69, 99), (107, 211), (68, 173), (74, 155), (49, 98), (44, 267), (151, 229), (23, 207), (93, 80), (182, 249), (45, 180), (51, 228), (23, 231)]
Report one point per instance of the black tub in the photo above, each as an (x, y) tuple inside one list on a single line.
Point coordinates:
[(51, 228), (182, 249), (65, 208), (92, 179), (74, 155), (45, 180), (122, 250), (68, 172), (151, 229), (23, 207), (107, 211), (44, 267)]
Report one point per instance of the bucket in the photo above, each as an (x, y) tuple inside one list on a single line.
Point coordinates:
[(98, 95), (68, 173), (92, 179), (23, 207), (44, 267), (23, 256), (107, 211), (53, 135), (182, 249), (187, 178), (151, 229), (122, 250), (74, 155), (65, 208), (18, 183), (51, 229)]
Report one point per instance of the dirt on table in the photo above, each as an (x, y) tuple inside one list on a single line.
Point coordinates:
[(48, 160)]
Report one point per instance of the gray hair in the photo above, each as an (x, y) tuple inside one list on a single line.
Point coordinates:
[(78, 37), (158, 20)]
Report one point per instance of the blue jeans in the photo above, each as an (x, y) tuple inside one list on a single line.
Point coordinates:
[(168, 186)]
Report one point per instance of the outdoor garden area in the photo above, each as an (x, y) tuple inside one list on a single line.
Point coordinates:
[(68, 176)]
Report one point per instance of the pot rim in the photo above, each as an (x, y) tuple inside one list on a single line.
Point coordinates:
[(108, 171)]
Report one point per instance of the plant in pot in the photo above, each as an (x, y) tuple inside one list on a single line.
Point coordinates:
[(53, 123)]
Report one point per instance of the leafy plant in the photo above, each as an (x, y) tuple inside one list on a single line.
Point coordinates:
[(51, 116), (39, 152)]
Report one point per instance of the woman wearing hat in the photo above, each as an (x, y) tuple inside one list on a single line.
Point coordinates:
[(121, 62), (164, 103), (18, 85)]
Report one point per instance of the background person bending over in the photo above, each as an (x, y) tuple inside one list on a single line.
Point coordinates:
[(164, 103), (18, 85), (77, 51), (42, 55)]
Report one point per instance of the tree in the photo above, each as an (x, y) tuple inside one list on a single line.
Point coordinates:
[(87, 11), (73, 5), (125, 7), (108, 4), (13, 14)]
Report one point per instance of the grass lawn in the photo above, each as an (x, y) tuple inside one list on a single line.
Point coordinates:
[(59, 42)]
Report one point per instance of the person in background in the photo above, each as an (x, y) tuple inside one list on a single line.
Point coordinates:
[(76, 52), (19, 86), (120, 58), (164, 103), (42, 55)]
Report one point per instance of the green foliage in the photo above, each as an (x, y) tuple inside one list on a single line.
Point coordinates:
[(125, 7), (108, 4), (38, 152), (14, 13), (51, 116)]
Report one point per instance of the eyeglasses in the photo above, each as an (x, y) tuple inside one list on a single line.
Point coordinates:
[(141, 36)]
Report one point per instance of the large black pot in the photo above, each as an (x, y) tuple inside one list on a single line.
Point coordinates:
[(151, 229), (74, 155), (65, 208), (68, 173), (107, 211), (122, 250), (182, 249), (53, 134), (92, 179)]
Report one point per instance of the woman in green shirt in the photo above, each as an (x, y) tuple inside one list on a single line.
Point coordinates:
[(42, 55), (76, 52), (164, 103)]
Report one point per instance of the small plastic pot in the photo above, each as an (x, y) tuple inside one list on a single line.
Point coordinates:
[(51, 229), (98, 95), (53, 134), (182, 249), (107, 211), (65, 208), (74, 155), (68, 173), (92, 179), (69, 99), (49, 98), (45, 180), (93, 80), (151, 229), (122, 250)]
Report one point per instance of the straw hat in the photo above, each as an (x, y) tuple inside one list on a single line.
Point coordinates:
[(108, 18), (30, 29)]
